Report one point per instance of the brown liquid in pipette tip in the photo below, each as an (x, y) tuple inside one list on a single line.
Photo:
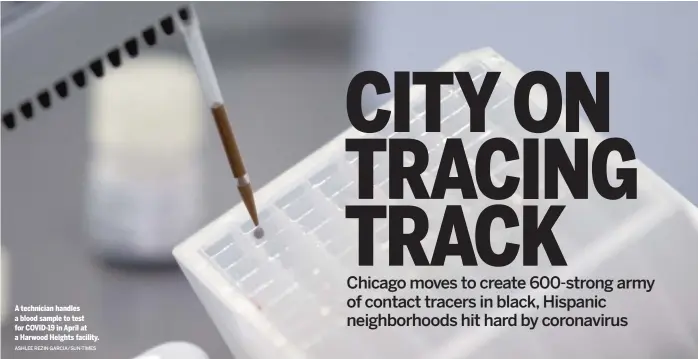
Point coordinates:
[(232, 151)]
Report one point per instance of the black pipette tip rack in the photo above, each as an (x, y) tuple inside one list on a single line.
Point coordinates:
[(78, 78)]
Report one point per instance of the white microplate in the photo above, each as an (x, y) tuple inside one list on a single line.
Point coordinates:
[(284, 296)]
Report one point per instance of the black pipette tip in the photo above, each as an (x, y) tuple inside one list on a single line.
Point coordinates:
[(258, 232), (184, 14)]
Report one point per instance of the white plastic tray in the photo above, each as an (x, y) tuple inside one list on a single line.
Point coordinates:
[(284, 296)]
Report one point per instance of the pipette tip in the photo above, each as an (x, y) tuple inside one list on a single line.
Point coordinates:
[(258, 232)]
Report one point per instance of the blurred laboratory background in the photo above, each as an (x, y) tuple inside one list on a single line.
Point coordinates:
[(98, 189)]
